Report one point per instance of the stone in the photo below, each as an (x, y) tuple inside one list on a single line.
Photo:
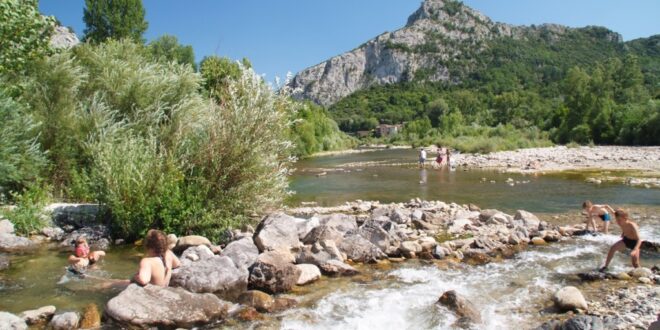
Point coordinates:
[(249, 314), (644, 280), (5, 262), (282, 304), (460, 305), (275, 232), (13, 243), (623, 276), (323, 233), (473, 207), (306, 225), (486, 214), (308, 273), (65, 321), (474, 257), (417, 214), (6, 227), (242, 252), (91, 317), (550, 235), (315, 255), (410, 246), (183, 243), (337, 268), (458, 225), (195, 253), (273, 273), (440, 252), (400, 216), (358, 249), (38, 316), (340, 222), (53, 233), (583, 322), (528, 219), (641, 272), (593, 276), (165, 307), (211, 274), (261, 301), (374, 233), (569, 298), (427, 243), (12, 322), (423, 225), (75, 215), (171, 241), (538, 241), (63, 37)]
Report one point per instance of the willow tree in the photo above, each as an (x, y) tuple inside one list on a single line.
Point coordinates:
[(114, 19)]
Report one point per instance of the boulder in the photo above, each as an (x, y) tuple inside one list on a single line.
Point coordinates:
[(423, 225), (53, 233), (261, 301), (458, 225), (248, 314), (6, 227), (91, 317), (273, 273), (337, 268), (400, 216), (65, 321), (282, 304), (183, 243), (528, 219), (538, 241), (323, 233), (476, 257), (4, 262), (584, 322), (594, 276), (641, 272), (195, 253), (242, 252), (357, 248), (313, 254), (171, 241), (463, 308), (340, 222), (308, 273), (213, 274), (417, 214), (75, 215), (306, 225), (569, 298), (410, 248), (550, 235), (440, 252), (11, 322), (37, 316), (277, 232), (13, 243), (374, 233), (486, 214), (165, 307), (427, 243)]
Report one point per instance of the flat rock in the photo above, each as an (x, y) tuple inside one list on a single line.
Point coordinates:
[(36, 316), (13, 243), (569, 298), (242, 252), (308, 273), (12, 322), (166, 307), (215, 274)]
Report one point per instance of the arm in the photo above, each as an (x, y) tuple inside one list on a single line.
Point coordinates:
[(176, 263), (635, 251), (74, 260), (609, 209), (143, 276)]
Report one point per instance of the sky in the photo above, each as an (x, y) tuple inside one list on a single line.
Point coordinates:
[(290, 35)]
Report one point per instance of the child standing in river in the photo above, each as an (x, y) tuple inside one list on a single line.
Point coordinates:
[(629, 239), (594, 211)]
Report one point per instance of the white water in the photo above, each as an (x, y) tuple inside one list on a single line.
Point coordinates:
[(509, 294)]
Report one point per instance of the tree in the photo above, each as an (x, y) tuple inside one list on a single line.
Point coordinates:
[(167, 47), (116, 19), (217, 73), (24, 34)]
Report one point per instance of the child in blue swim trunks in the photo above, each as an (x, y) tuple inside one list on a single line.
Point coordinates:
[(593, 211)]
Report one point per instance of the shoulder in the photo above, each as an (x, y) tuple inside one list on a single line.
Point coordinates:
[(145, 262)]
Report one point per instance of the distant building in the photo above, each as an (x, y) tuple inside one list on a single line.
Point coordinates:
[(384, 130), (364, 134)]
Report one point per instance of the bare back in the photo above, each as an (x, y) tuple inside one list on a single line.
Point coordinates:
[(157, 270)]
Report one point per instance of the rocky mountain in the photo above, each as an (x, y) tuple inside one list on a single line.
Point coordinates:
[(63, 37), (441, 41)]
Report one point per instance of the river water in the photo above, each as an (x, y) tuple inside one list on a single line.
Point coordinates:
[(510, 293)]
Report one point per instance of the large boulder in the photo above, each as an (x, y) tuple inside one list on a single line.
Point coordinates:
[(6, 227), (527, 219), (277, 232), (212, 274), (13, 243), (463, 308), (11, 322), (75, 215), (373, 231), (400, 216), (242, 252), (165, 307), (584, 322), (273, 272), (341, 222), (308, 273), (65, 321), (37, 316), (569, 298), (183, 243), (304, 226), (357, 248), (337, 268), (323, 233)]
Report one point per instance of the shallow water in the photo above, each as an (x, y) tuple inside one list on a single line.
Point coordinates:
[(380, 181)]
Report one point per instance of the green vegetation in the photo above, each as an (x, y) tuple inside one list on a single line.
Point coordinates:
[(313, 131), (114, 19), (27, 214), (24, 34), (167, 48), (582, 85)]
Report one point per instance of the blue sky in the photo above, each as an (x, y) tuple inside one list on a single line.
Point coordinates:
[(290, 35)]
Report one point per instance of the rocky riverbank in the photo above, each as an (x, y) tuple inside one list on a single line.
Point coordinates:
[(254, 273)]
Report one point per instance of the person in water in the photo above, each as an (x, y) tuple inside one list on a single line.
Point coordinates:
[(156, 267), (593, 211), (629, 239), (82, 256), (422, 157)]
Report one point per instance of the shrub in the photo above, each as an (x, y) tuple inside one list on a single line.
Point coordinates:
[(27, 215)]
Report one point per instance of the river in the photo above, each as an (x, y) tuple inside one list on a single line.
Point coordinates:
[(399, 296)]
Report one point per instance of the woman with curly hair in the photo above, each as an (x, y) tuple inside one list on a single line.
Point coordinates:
[(156, 267)]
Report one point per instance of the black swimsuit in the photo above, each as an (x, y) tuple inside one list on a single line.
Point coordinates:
[(630, 243)]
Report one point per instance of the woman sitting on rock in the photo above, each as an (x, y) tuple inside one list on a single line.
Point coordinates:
[(156, 267)]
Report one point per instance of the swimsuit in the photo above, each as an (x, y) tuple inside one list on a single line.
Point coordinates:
[(605, 217), (630, 243)]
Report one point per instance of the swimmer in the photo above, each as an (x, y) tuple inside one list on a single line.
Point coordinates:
[(82, 256)]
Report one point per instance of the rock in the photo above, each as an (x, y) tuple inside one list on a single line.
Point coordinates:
[(211, 274), (440, 252), (242, 252), (53, 233), (75, 215), (183, 243), (308, 273), (569, 298), (374, 233), (550, 325), (4, 262), (641, 272), (91, 317), (400, 216), (593, 276), (644, 280), (583, 322), (528, 219), (282, 304), (486, 214), (315, 255), (65, 321), (538, 241), (337, 268), (249, 314), (306, 225), (473, 257), (460, 305), (458, 225), (417, 214), (11, 322), (261, 301), (623, 276), (474, 207), (410, 246), (171, 241), (37, 316), (323, 233), (340, 222), (195, 253), (273, 273), (358, 249), (63, 37), (550, 235), (427, 243), (423, 225), (166, 307), (275, 232), (6, 227), (13, 243)]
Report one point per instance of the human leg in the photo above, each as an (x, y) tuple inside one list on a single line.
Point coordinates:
[(616, 247)]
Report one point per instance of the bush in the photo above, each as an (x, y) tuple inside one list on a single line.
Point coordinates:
[(27, 214)]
